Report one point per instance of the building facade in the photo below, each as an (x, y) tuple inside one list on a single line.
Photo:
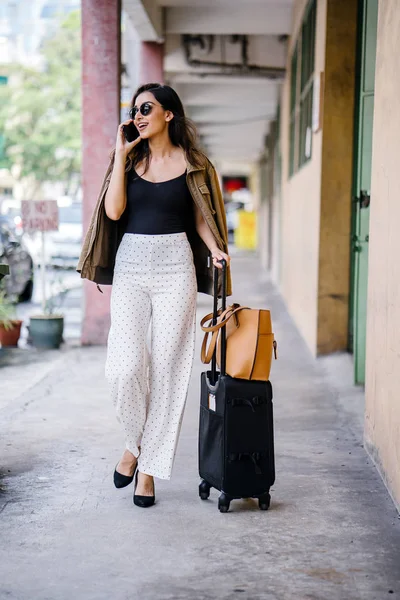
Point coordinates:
[(335, 265)]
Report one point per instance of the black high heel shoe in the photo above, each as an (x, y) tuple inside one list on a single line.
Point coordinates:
[(121, 481), (142, 501)]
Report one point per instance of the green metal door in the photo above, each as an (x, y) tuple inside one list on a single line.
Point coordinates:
[(362, 183)]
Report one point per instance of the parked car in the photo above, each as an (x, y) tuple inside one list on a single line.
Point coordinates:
[(18, 284), (11, 209)]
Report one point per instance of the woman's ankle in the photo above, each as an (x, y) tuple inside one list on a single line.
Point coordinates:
[(128, 456), (145, 484)]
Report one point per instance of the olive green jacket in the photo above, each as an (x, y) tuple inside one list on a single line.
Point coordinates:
[(104, 235)]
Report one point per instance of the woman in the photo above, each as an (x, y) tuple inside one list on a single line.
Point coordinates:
[(158, 191)]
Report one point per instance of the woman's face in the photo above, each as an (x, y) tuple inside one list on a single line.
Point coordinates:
[(156, 121)]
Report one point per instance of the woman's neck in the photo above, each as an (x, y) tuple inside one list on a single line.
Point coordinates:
[(161, 147)]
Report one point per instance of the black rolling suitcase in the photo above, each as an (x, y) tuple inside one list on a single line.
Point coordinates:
[(236, 438)]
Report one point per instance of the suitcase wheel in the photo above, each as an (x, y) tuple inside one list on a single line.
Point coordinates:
[(264, 501), (224, 502), (204, 490)]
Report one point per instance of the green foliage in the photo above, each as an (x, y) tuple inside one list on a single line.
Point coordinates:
[(7, 311), (40, 110)]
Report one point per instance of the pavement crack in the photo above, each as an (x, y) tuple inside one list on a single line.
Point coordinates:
[(4, 506)]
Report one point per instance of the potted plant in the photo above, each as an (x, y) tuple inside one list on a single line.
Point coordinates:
[(46, 329), (10, 326), (4, 270)]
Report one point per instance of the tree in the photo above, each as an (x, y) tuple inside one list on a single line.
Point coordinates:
[(40, 114)]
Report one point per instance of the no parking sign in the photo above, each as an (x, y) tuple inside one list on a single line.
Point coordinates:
[(39, 215)]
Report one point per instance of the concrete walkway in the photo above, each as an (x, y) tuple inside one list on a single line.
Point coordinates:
[(65, 533)]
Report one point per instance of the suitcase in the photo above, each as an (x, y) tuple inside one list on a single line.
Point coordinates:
[(236, 437)]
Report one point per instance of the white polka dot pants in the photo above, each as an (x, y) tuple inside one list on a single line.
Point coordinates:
[(154, 282)]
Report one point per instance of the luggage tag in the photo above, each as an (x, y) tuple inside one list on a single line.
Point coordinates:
[(212, 405)]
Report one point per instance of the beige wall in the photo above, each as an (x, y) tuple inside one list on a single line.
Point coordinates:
[(276, 240), (382, 426), (301, 204)]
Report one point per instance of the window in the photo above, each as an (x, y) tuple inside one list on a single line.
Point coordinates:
[(301, 92), (293, 111)]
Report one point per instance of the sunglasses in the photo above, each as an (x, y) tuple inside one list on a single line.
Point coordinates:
[(144, 109)]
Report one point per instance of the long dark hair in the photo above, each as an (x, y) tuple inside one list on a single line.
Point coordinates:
[(182, 131)]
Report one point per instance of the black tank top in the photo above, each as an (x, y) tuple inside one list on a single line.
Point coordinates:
[(158, 208)]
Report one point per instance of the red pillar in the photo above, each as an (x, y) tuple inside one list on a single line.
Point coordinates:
[(101, 44), (151, 63)]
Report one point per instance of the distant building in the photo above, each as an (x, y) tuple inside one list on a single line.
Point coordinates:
[(24, 24)]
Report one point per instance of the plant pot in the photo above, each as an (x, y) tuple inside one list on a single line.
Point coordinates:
[(46, 331), (10, 337)]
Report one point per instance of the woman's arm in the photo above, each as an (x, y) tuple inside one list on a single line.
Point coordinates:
[(115, 200), (206, 235)]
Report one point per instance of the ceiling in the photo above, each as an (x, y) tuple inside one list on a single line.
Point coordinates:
[(226, 60)]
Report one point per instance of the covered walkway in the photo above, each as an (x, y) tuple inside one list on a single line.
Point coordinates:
[(332, 531)]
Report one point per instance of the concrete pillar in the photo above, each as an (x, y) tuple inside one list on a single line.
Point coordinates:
[(100, 118), (336, 176), (151, 63)]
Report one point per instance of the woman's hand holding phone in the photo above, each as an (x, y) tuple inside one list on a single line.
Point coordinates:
[(127, 131)]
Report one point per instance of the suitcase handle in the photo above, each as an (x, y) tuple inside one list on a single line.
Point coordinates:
[(214, 321)]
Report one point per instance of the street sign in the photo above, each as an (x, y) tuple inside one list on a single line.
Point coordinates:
[(39, 215)]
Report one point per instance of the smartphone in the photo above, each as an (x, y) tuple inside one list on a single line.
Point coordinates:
[(130, 132)]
